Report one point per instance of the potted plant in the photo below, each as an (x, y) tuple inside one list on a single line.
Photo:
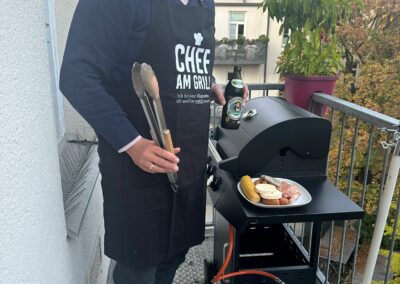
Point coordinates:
[(312, 58)]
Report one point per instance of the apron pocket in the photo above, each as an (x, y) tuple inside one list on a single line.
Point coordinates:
[(148, 212), (189, 214), (192, 128), (148, 198)]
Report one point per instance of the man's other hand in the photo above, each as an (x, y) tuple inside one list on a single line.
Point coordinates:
[(218, 91)]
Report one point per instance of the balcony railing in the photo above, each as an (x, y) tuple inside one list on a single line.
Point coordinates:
[(245, 54), (361, 138)]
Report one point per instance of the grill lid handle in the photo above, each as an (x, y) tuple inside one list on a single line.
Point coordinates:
[(230, 164)]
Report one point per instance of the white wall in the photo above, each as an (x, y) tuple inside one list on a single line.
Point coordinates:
[(33, 238), (274, 50)]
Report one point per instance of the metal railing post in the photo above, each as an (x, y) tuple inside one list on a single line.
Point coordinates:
[(384, 210), (363, 197)]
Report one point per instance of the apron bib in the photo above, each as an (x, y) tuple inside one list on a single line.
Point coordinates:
[(146, 222)]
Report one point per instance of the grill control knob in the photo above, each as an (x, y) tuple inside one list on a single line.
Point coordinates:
[(211, 170), (215, 183)]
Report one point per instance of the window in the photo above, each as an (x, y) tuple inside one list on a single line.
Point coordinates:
[(236, 24), (285, 36)]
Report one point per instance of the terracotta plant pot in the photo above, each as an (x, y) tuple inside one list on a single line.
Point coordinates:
[(299, 89)]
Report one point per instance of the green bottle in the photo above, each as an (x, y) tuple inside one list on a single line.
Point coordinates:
[(232, 111)]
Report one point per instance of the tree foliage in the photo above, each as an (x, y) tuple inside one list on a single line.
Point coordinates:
[(307, 15), (371, 40), (372, 32), (312, 47)]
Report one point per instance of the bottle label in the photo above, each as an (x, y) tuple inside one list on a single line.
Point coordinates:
[(234, 108), (237, 83)]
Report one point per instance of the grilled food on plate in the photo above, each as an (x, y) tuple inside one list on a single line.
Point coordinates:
[(269, 191), (246, 183), (271, 197), (290, 190)]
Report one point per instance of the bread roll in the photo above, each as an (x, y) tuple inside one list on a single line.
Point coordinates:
[(271, 194), (265, 189)]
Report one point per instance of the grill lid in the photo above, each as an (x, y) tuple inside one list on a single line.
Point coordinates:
[(280, 138)]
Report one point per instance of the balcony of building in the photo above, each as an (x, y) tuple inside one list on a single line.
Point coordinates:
[(230, 52)]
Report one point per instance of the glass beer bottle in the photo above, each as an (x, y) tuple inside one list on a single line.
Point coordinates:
[(232, 111)]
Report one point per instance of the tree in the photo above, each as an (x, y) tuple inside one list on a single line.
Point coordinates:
[(371, 40), (372, 32)]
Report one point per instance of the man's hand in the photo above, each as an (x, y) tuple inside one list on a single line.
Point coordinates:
[(152, 158), (218, 91)]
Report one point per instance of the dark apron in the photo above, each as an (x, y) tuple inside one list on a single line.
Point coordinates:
[(145, 221)]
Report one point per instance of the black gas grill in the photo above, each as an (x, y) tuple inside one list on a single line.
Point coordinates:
[(282, 140)]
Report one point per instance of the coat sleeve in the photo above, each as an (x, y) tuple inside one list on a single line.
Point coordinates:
[(98, 35)]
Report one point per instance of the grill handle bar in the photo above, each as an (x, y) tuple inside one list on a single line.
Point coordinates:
[(214, 151)]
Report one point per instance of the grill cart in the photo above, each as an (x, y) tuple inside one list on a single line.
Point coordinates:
[(283, 141)]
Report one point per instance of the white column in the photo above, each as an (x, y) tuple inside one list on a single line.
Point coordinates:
[(384, 208), (33, 244)]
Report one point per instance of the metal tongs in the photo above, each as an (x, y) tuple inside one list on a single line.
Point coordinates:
[(144, 79)]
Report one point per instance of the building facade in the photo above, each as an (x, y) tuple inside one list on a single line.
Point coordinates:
[(234, 20)]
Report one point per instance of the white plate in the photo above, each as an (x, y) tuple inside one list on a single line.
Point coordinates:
[(303, 199)]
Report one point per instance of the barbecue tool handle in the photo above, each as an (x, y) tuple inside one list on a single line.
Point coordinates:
[(168, 141), (170, 148)]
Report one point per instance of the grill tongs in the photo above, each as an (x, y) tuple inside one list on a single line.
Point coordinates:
[(144, 79)]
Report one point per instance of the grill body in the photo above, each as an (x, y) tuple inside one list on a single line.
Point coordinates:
[(282, 140)]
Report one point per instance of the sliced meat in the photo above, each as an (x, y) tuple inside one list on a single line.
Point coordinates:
[(290, 190)]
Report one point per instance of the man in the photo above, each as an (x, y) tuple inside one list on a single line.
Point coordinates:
[(149, 228)]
